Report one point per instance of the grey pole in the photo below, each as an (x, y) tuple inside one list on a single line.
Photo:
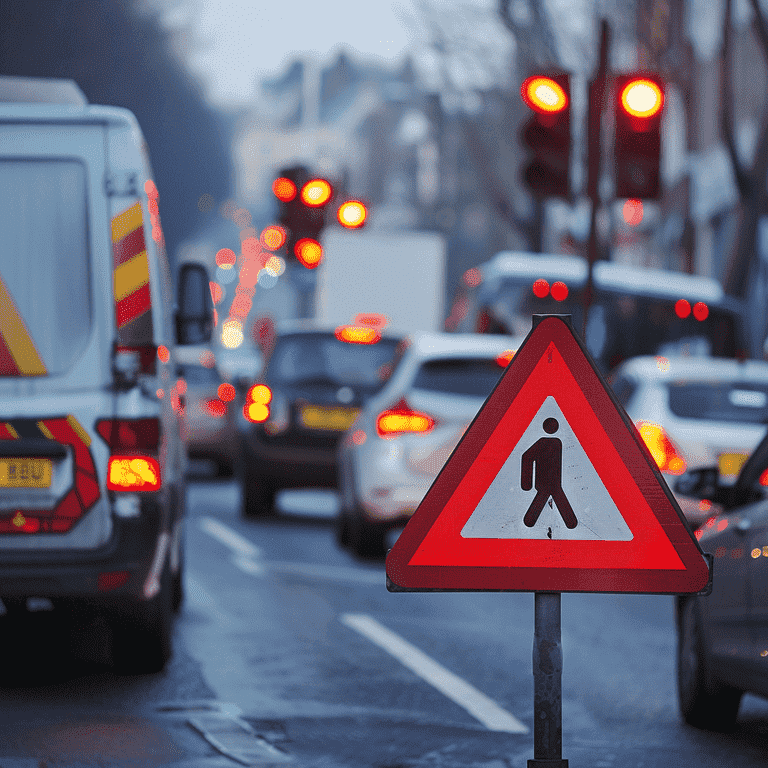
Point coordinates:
[(547, 683)]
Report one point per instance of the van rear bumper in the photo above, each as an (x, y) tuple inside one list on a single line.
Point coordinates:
[(79, 574)]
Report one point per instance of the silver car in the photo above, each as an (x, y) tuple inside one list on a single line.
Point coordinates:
[(401, 439), (695, 412)]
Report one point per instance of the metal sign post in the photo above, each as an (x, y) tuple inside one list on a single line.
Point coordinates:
[(547, 683)]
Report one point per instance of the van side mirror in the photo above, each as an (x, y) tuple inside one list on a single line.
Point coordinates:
[(194, 316)]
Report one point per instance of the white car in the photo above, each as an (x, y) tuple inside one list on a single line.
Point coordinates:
[(695, 412), (401, 439)]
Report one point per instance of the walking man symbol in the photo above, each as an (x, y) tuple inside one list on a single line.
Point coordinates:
[(547, 456)]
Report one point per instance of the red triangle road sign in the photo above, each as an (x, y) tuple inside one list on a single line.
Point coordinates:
[(550, 489)]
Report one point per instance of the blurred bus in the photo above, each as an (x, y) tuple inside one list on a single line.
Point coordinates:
[(635, 311)]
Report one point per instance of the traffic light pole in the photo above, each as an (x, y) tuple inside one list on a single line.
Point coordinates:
[(597, 97)]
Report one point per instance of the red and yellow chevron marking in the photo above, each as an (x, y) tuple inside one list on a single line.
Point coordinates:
[(18, 354), (131, 275)]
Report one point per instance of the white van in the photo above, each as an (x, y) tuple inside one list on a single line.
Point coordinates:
[(92, 455)]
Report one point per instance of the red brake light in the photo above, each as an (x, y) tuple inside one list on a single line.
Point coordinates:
[(505, 357), (133, 473), (540, 288), (401, 418), (357, 334), (256, 408), (682, 308), (215, 407), (226, 392), (700, 310), (559, 291), (661, 447)]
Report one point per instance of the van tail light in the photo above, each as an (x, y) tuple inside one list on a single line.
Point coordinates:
[(134, 444), (665, 454), (401, 419), (257, 400)]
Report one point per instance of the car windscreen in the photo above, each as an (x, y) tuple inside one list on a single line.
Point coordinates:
[(314, 357), (45, 286), (459, 376), (740, 402), (199, 375)]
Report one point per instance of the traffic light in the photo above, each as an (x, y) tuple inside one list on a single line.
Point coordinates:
[(547, 133), (637, 150), (352, 214), (303, 201)]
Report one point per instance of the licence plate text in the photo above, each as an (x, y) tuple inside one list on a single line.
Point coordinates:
[(25, 473)]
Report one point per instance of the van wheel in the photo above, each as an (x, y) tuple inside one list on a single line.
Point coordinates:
[(141, 633), (704, 702)]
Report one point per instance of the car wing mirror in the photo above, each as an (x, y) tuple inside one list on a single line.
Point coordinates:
[(194, 315), (700, 483)]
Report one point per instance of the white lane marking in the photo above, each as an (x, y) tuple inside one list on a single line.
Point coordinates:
[(229, 538), (480, 706), (246, 557), (199, 596)]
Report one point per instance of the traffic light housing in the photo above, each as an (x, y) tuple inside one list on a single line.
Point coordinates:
[(637, 150), (302, 204), (547, 134)]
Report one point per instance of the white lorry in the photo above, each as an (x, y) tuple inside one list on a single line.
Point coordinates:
[(400, 275)]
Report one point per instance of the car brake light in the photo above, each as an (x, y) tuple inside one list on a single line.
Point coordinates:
[(133, 473), (664, 453), (256, 408), (505, 357), (357, 334), (402, 418), (214, 407), (132, 441)]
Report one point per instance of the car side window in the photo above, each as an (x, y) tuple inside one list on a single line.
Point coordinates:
[(623, 387)]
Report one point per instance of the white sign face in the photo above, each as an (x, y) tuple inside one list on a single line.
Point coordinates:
[(547, 489)]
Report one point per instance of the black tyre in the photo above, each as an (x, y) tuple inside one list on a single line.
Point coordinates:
[(365, 539), (141, 633), (257, 495), (704, 702), (342, 529)]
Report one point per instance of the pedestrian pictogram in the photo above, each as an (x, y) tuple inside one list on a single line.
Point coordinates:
[(545, 456), (550, 489)]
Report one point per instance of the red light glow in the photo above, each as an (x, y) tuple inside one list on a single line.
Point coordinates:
[(226, 257), (542, 94), (540, 288), (309, 252), (284, 189), (316, 192), (226, 392), (633, 212), (559, 291), (214, 407), (217, 292), (163, 354), (682, 308), (700, 310), (273, 237), (472, 277)]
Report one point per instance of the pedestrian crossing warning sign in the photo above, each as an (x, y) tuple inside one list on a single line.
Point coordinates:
[(551, 488)]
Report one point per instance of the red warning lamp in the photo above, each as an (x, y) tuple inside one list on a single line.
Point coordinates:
[(284, 189), (544, 95), (352, 214), (559, 291), (700, 311), (540, 288), (682, 308), (309, 252), (316, 192)]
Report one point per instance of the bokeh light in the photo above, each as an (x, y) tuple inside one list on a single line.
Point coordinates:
[(682, 308), (225, 258), (232, 334), (540, 288), (633, 212)]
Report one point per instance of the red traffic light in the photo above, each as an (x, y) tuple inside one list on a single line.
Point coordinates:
[(309, 252), (544, 94), (641, 97), (284, 189), (316, 192), (352, 214)]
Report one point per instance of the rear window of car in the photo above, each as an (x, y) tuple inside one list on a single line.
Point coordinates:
[(718, 401), (44, 265), (313, 357), (199, 375), (459, 376)]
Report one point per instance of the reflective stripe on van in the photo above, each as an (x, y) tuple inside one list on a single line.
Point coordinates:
[(131, 277), (18, 354), (79, 498)]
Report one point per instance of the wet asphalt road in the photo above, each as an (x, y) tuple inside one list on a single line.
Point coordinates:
[(289, 652)]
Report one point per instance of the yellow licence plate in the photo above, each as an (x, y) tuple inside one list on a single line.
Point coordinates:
[(25, 473), (320, 417), (730, 464)]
